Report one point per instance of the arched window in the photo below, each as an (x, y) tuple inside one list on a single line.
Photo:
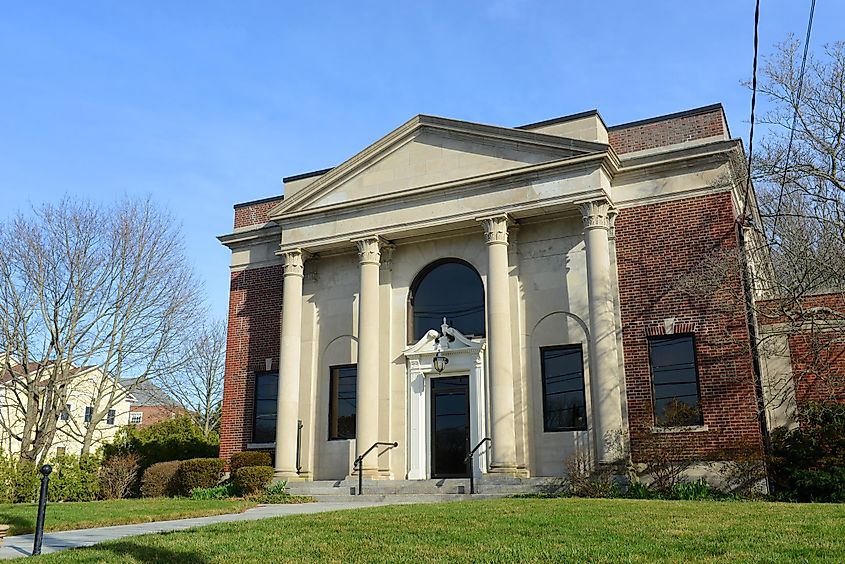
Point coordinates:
[(449, 288)]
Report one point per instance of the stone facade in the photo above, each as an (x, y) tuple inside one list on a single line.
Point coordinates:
[(578, 233)]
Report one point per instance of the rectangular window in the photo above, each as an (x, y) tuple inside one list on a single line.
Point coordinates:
[(65, 414), (89, 413), (675, 381), (135, 417), (264, 415), (110, 417), (564, 404), (342, 401), (60, 451)]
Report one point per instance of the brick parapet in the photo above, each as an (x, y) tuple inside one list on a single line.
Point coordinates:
[(255, 213), (255, 305), (669, 131), (658, 245)]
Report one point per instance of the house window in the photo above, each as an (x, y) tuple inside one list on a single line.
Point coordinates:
[(135, 417), (343, 401), (65, 414), (110, 417), (564, 404), (60, 451), (264, 415), (675, 381), (89, 413)]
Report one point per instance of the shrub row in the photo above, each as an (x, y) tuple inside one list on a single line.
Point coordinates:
[(179, 477)]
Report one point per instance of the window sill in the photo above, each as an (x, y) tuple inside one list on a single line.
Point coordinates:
[(688, 429), (258, 446)]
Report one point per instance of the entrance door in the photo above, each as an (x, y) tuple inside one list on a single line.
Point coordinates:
[(449, 427)]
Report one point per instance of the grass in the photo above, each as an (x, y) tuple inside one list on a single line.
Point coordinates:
[(509, 530), (87, 514)]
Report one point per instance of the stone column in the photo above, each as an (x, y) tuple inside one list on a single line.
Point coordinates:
[(287, 412), (500, 350), (367, 410), (604, 366)]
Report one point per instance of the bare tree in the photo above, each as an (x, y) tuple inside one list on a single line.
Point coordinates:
[(83, 285), (793, 257), (198, 385)]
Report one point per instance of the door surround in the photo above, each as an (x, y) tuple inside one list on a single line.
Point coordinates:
[(466, 358)]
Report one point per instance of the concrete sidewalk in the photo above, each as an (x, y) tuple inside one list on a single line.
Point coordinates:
[(21, 545)]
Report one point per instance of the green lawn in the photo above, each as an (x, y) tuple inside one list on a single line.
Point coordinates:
[(86, 514), (509, 530)]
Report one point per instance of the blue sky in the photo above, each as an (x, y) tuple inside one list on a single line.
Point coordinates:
[(205, 104)]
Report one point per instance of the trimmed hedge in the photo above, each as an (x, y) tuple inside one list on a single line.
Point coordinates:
[(250, 480), (198, 473), (158, 480), (249, 458)]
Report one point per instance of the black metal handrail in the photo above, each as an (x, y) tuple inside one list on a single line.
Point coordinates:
[(298, 444), (360, 459), (469, 459)]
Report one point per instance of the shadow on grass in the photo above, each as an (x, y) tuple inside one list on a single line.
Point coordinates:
[(20, 525), (144, 553)]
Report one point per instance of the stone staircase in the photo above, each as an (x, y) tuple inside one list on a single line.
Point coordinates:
[(420, 491)]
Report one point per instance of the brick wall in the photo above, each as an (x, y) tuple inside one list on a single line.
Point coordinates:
[(658, 245), (651, 134), (817, 348), (255, 305), (255, 213)]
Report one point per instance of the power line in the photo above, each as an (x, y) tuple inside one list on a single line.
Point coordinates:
[(753, 106), (795, 114)]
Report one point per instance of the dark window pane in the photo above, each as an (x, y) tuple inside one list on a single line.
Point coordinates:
[(264, 413), (564, 404), (675, 381), (89, 413), (110, 417), (452, 290), (342, 401)]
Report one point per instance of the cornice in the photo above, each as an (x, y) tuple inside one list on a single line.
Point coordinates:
[(455, 221), (658, 162), (266, 233), (572, 164)]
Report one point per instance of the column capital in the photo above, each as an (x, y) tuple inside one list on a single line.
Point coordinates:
[(496, 228), (292, 262), (369, 249), (596, 213)]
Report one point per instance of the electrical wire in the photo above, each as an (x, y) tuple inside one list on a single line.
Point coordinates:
[(794, 115), (753, 106)]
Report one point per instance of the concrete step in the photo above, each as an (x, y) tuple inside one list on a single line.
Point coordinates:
[(497, 485), (404, 498)]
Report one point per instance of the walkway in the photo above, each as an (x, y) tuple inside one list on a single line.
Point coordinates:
[(21, 545)]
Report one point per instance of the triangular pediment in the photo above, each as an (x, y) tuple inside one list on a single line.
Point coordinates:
[(428, 151)]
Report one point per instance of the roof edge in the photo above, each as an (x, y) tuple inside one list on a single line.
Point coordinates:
[(259, 201), (305, 175), (563, 119)]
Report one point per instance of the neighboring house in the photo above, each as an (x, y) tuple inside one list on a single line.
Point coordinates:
[(149, 403), (72, 422), (553, 252)]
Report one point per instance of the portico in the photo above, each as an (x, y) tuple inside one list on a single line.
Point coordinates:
[(395, 380)]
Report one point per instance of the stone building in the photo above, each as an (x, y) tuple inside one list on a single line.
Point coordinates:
[(541, 262)]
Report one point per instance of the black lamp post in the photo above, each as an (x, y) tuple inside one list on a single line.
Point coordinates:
[(42, 509)]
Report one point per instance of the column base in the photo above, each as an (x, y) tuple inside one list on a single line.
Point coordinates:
[(508, 470), (289, 475)]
